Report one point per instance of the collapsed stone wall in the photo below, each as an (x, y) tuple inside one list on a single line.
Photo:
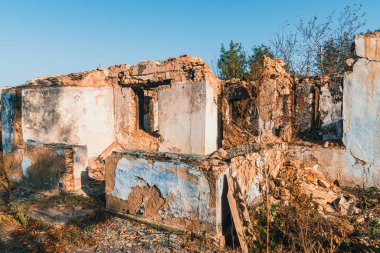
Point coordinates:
[(189, 192), (164, 188), (259, 111), (281, 107), (338, 112), (47, 167), (354, 162)]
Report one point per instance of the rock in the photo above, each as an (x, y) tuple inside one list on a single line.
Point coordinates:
[(222, 153), (360, 220), (279, 182), (336, 182), (350, 62), (323, 183), (219, 154), (215, 162)]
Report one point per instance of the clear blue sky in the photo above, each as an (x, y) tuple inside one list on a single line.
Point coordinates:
[(63, 36)]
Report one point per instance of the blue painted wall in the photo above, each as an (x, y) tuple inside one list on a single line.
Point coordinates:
[(7, 119), (185, 188)]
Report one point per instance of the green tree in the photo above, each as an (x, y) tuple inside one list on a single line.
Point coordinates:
[(256, 64), (335, 52), (233, 62), (258, 54)]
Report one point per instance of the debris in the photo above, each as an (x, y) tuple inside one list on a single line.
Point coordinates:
[(239, 213), (323, 183)]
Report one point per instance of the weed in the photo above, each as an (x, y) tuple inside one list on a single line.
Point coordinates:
[(375, 230), (18, 209), (70, 199)]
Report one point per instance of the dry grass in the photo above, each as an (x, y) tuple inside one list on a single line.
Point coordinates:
[(70, 199), (296, 225)]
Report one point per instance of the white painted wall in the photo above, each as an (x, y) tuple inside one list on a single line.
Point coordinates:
[(71, 115), (181, 116), (211, 121), (187, 116), (361, 115)]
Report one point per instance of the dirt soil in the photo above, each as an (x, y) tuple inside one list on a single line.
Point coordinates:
[(36, 222)]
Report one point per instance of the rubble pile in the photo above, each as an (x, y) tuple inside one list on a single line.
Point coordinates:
[(258, 111), (327, 196)]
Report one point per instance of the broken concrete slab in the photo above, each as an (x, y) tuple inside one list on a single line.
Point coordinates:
[(162, 187)]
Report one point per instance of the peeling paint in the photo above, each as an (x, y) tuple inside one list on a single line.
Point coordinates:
[(7, 119), (185, 189)]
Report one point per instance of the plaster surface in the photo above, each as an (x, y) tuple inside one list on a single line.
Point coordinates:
[(70, 115), (7, 120), (187, 119), (185, 189), (361, 113)]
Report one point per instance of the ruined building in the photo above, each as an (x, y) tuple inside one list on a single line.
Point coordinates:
[(178, 147)]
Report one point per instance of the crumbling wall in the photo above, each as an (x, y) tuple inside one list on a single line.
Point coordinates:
[(355, 163), (182, 118), (167, 106), (187, 191), (334, 161), (262, 110), (277, 106), (153, 104), (161, 187), (47, 167), (183, 94), (318, 108), (247, 166), (275, 102), (361, 105)]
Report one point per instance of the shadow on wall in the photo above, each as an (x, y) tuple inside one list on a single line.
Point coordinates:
[(46, 172), (42, 115), (41, 131), (231, 239), (332, 132)]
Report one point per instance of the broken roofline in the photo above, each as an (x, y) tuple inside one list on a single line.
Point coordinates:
[(146, 74)]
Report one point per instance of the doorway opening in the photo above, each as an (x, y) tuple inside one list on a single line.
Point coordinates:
[(228, 227)]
